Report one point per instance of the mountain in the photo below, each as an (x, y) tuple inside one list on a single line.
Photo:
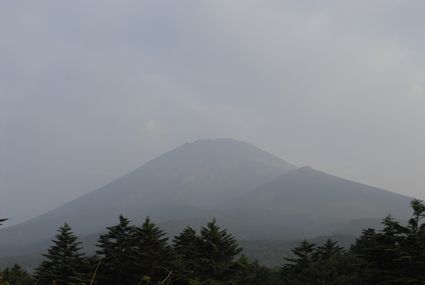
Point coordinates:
[(317, 202), (249, 191), (180, 184)]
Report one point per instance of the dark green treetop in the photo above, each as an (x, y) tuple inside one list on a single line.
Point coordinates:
[(63, 262), (217, 252), (117, 254), (16, 276), (328, 250), (154, 258)]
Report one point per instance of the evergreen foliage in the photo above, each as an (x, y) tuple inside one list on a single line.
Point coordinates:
[(64, 264), (154, 257), (186, 246), (326, 264), (395, 255), (217, 252), (298, 268), (117, 254), (252, 273), (328, 250), (207, 258), (16, 276)]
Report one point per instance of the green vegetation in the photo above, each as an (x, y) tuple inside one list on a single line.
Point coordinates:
[(395, 255), (129, 254), (64, 263), (16, 276)]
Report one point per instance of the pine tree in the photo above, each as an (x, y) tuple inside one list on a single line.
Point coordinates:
[(187, 246), (365, 243), (154, 258), (416, 222), (252, 273), (297, 268), (396, 255), (326, 264), (412, 257), (187, 243), (16, 276), (63, 262), (217, 251), (381, 251), (328, 250), (304, 255), (117, 255)]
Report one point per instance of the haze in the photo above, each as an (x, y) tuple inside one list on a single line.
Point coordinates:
[(90, 90)]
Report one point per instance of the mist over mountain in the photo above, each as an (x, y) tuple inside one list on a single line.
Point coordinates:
[(253, 193)]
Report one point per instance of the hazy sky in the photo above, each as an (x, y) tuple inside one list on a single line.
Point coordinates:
[(89, 90)]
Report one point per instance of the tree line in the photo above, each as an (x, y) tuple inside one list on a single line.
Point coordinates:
[(129, 254)]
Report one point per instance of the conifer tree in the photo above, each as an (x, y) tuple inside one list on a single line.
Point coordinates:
[(187, 243), (365, 243), (16, 276), (416, 222), (63, 262), (297, 268), (217, 252), (328, 250), (396, 255), (187, 246), (326, 264), (412, 257), (117, 254), (154, 258), (304, 255), (252, 273), (380, 251)]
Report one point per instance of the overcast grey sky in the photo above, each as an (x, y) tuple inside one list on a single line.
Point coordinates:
[(90, 90)]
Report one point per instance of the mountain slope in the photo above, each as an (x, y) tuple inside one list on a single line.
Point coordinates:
[(313, 199), (178, 184)]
